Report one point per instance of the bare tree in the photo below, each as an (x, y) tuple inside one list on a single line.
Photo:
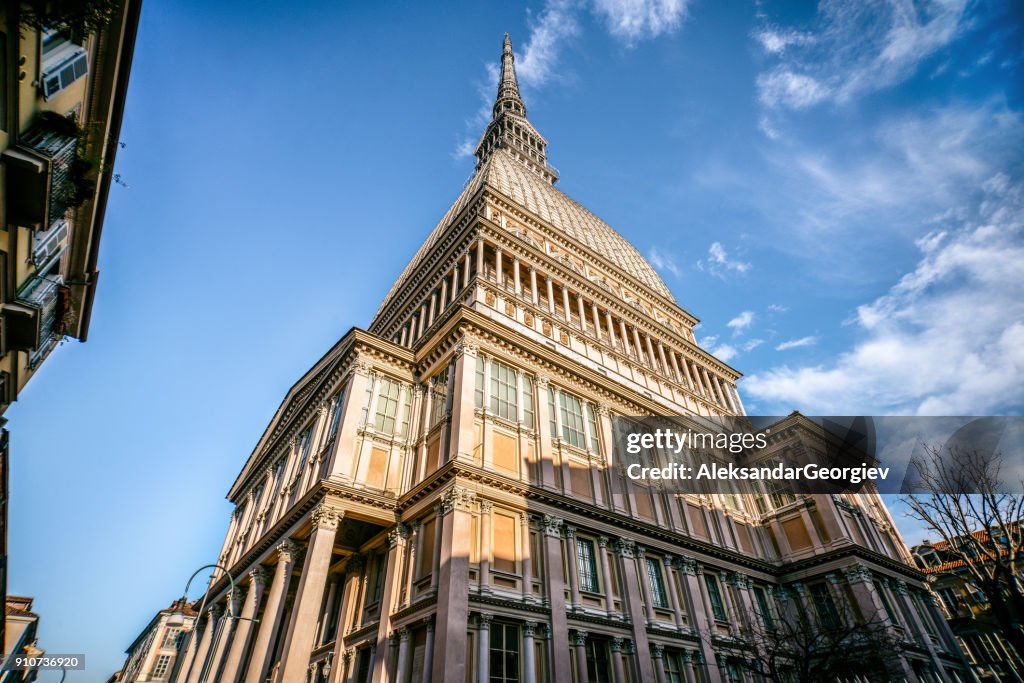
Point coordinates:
[(962, 496), (802, 644)]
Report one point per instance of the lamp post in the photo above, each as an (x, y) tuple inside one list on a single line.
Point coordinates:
[(177, 619)]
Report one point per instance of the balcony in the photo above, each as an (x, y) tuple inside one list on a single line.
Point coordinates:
[(34, 321), (40, 187)]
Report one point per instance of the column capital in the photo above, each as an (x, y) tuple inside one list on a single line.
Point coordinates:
[(258, 575), (603, 409), (486, 506), (362, 365), (327, 516), (543, 381), (287, 550), (799, 587), (616, 644), (657, 650), (428, 622), (687, 657), (483, 620), (570, 531), (403, 633), (901, 587), (641, 552), (397, 534), (551, 525), (467, 346), (624, 547), (579, 637), (602, 542), (457, 498), (529, 628), (524, 518)]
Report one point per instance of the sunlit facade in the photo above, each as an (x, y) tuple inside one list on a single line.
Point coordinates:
[(435, 499)]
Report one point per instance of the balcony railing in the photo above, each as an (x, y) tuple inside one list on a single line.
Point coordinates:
[(34, 321), (38, 169)]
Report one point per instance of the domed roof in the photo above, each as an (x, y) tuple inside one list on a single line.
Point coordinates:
[(512, 161)]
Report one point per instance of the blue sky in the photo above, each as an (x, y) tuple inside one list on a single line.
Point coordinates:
[(833, 189)]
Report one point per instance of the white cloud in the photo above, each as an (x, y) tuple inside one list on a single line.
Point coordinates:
[(777, 308), (628, 21), (718, 262), (724, 353), (633, 20), (775, 41), (752, 344), (946, 339), (556, 23), (663, 261), (854, 48), (785, 88), (797, 343), (741, 322)]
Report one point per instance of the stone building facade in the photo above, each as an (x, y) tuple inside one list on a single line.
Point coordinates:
[(153, 654), (435, 499)]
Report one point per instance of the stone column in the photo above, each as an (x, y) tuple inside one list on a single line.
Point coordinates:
[(636, 343), (428, 649), (661, 355), (250, 608), (618, 670), (631, 583), (515, 276), (310, 592), (534, 295), (499, 273), (485, 546), (650, 352), (480, 257), (455, 282), (565, 303), (403, 655), (700, 608), (483, 647), (606, 575), (672, 588), (461, 422), (529, 661), (579, 643), (551, 296), (442, 302), (465, 269), (675, 367), (203, 650), (574, 567), (691, 673), (597, 319), (611, 326), (582, 311), (410, 562), (625, 337), (556, 596), (658, 654), (325, 612), (527, 563), (449, 661), (645, 585), (396, 548), (259, 663)]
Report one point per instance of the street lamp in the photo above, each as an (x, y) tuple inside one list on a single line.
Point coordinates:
[(177, 618)]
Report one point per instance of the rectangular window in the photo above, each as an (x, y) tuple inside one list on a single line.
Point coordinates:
[(528, 401), (673, 668), (365, 412), (598, 666), (387, 406), (717, 606), (478, 394), (163, 662), (595, 441), (171, 637), (824, 607), (572, 420), (505, 666), (337, 404), (587, 565), (305, 443), (762, 607), (551, 412), (406, 411), (438, 397), (658, 595), (504, 392)]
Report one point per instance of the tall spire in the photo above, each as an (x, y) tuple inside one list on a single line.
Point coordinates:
[(509, 129), (508, 84)]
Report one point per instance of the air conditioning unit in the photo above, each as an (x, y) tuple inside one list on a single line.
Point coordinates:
[(64, 66)]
